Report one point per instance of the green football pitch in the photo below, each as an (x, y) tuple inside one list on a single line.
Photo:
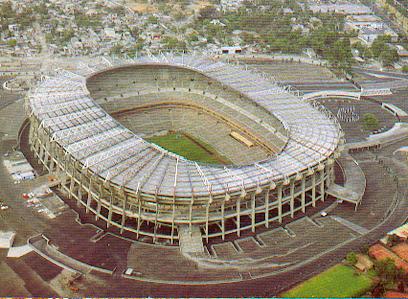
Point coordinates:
[(338, 281), (189, 147)]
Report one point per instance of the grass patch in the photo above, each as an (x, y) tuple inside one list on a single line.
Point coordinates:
[(188, 147), (337, 281), (370, 122)]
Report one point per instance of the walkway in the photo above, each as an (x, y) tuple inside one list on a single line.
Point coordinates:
[(355, 185), (353, 226), (398, 132)]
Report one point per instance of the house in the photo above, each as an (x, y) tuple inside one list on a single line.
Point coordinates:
[(231, 50), (310, 53), (301, 28), (358, 25), (379, 252), (109, 33), (363, 263), (401, 232), (369, 35), (401, 51), (231, 4), (341, 8), (13, 27), (217, 22), (394, 294), (363, 18), (287, 11)]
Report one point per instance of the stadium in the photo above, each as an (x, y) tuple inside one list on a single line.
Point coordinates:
[(115, 135)]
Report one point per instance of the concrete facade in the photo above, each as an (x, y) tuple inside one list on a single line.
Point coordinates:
[(158, 215)]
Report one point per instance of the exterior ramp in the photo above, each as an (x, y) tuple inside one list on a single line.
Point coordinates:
[(344, 193), (355, 185), (191, 240)]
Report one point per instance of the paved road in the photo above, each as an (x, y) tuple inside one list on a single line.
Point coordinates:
[(268, 286), (319, 86), (6, 97), (28, 223), (391, 74)]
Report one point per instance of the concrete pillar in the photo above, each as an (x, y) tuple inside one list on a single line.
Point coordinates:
[(223, 219), (79, 195), (267, 208), (71, 187), (303, 196), (37, 146), (332, 175), (314, 189), (207, 217), (31, 131), (280, 203), (124, 199), (292, 199), (322, 191), (190, 214), (173, 218), (253, 215), (52, 165), (89, 199), (139, 214), (111, 195), (155, 218), (40, 157), (98, 207), (238, 209)]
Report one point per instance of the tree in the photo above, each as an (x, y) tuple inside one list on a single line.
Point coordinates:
[(382, 51), (175, 44), (66, 35), (389, 56), (370, 122), (49, 38), (116, 49), (351, 258), (379, 290), (363, 50), (393, 240), (6, 10), (339, 54), (152, 19), (387, 271), (379, 45), (12, 43), (208, 12)]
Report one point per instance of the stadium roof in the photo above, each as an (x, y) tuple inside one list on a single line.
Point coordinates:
[(74, 120)]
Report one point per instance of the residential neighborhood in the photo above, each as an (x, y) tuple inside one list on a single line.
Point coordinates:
[(128, 29)]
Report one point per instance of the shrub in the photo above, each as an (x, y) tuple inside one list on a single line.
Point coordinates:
[(370, 122), (351, 258)]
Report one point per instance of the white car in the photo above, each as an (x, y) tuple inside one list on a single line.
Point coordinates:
[(323, 214), (4, 207)]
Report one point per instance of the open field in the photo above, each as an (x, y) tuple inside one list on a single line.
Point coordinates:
[(189, 148), (337, 281), (141, 6)]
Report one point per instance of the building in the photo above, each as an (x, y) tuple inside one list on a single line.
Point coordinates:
[(340, 8), (141, 188), (231, 50), (110, 33), (369, 35)]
